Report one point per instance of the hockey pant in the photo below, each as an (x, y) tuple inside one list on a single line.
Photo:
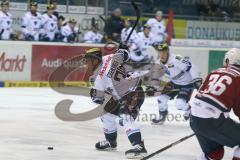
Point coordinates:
[(214, 134), (182, 94), (127, 111)]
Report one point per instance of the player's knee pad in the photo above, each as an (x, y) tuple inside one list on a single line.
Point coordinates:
[(236, 154), (163, 102), (109, 123), (128, 124), (215, 155), (181, 104)]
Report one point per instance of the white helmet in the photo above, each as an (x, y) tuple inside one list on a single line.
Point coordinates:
[(233, 56)]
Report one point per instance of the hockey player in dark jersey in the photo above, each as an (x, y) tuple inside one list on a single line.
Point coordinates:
[(210, 107)]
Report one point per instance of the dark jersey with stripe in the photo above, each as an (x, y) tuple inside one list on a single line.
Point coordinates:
[(221, 88)]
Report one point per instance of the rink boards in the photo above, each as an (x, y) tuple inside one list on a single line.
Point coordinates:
[(29, 64)]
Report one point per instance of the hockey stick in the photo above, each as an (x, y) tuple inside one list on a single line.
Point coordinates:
[(1, 33), (104, 20), (137, 20), (168, 146), (160, 92), (168, 91)]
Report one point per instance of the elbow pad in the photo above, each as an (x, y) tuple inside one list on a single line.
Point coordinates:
[(95, 99)]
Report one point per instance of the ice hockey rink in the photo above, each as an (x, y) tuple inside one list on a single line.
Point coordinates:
[(29, 126)]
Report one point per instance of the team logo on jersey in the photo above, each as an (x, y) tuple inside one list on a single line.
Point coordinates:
[(104, 68)]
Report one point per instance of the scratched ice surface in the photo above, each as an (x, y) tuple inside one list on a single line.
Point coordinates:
[(28, 126)]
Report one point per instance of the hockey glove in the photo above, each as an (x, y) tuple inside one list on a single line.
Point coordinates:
[(168, 88), (197, 83), (150, 91)]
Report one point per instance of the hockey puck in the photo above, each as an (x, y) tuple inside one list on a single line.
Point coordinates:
[(50, 148)]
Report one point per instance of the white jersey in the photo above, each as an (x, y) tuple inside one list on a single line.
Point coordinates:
[(180, 70), (111, 77), (49, 26), (67, 31), (158, 30), (93, 37), (145, 41), (31, 25), (124, 34), (5, 25), (140, 44)]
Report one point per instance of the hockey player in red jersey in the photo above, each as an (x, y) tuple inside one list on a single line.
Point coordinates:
[(210, 108)]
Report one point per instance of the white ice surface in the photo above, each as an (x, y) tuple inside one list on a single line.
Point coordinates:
[(28, 126)]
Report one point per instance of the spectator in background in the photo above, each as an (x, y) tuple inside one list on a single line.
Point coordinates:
[(93, 36), (114, 26), (31, 23), (55, 12), (5, 21), (61, 22), (49, 25), (70, 32), (158, 28)]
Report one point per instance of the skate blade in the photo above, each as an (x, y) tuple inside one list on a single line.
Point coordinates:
[(136, 156), (157, 124), (107, 149)]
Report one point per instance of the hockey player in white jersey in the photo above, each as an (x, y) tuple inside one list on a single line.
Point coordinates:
[(158, 28), (70, 31), (5, 21), (138, 52), (127, 98), (31, 23), (146, 37), (183, 76), (135, 44), (93, 36), (49, 25)]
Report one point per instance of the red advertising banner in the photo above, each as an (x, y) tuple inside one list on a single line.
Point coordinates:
[(46, 58), (15, 62)]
